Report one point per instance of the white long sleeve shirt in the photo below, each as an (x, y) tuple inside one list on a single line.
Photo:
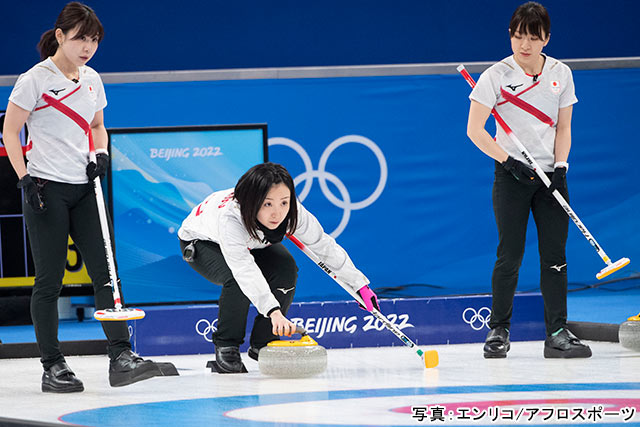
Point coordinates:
[(218, 219)]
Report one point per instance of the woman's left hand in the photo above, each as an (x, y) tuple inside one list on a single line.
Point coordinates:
[(99, 167), (558, 179)]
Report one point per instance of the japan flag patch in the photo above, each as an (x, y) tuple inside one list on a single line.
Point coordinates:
[(555, 86), (92, 93)]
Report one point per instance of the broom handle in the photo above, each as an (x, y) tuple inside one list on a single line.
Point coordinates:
[(386, 322), (561, 200), (106, 238)]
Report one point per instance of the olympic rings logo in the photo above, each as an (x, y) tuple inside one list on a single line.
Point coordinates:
[(323, 175), (477, 319), (206, 328)]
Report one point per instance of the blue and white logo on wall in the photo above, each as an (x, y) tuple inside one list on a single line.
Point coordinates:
[(344, 202), (477, 319), (205, 327), (158, 176)]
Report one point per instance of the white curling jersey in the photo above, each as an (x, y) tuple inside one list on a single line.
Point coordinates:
[(58, 147), (548, 92), (218, 219)]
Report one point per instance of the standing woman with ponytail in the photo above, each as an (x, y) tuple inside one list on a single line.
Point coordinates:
[(57, 183)]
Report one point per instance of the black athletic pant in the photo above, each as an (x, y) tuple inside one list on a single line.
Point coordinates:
[(279, 269), (71, 210), (512, 202)]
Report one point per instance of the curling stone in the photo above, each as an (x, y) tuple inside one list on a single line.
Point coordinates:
[(293, 359), (629, 333)]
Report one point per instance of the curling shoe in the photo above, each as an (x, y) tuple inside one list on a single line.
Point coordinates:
[(228, 361), (564, 345), (497, 343), (59, 378), (129, 368), (253, 353)]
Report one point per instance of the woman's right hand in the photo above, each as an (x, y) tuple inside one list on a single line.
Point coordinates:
[(32, 194), (281, 325)]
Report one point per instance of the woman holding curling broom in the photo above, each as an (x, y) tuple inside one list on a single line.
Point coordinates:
[(534, 94), (233, 238), (58, 192)]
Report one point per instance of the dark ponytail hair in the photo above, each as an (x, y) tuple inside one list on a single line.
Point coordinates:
[(252, 189), (73, 15)]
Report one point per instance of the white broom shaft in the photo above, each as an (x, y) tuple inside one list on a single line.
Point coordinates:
[(118, 313), (388, 324), (561, 200), (102, 213), (532, 162), (317, 260)]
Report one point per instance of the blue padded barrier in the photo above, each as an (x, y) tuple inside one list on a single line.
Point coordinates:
[(338, 324)]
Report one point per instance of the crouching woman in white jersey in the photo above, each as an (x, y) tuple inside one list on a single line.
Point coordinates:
[(233, 238)]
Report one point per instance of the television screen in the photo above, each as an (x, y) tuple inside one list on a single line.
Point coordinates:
[(157, 176)]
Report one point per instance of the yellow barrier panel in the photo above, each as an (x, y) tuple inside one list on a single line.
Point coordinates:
[(75, 272)]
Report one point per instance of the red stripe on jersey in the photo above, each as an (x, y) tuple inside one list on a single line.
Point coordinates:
[(526, 107), (80, 121), (522, 92), (66, 96)]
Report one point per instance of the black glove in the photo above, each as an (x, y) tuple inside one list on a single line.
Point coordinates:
[(520, 171), (31, 194), (558, 179), (99, 168)]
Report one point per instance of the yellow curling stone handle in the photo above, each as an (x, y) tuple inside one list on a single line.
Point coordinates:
[(305, 340)]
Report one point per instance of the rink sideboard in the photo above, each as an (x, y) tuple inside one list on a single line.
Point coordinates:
[(186, 329)]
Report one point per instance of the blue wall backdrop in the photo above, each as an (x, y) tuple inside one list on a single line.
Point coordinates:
[(146, 35), (157, 179), (419, 193), (432, 222)]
